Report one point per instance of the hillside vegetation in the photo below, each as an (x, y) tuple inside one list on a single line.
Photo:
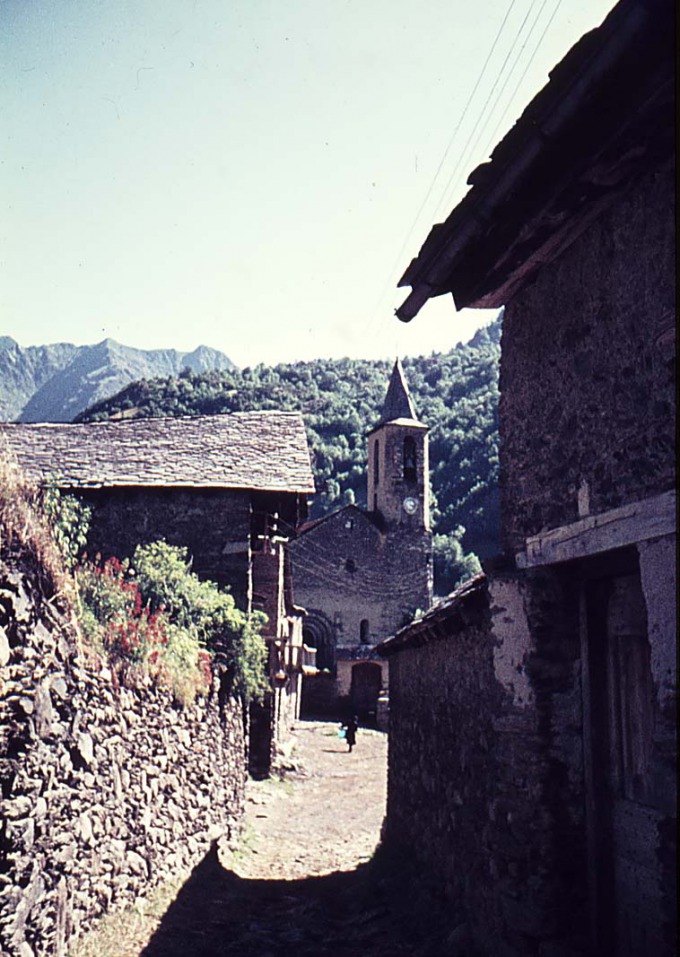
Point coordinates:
[(54, 383), (455, 393)]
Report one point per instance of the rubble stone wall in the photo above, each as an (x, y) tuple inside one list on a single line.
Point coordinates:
[(105, 790), (485, 784), (214, 524), (587, 377)]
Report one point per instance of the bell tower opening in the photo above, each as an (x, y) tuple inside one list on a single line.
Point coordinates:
[(410, 459)]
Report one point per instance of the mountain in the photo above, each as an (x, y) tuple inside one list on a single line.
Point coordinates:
[(455, 394), (54, 383)]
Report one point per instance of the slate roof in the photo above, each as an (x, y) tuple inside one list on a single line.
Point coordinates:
[(446, 616), (398, 404), (264, 451), (606, 116), (352, 511)]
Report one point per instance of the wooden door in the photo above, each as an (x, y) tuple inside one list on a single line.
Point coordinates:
[(623, 823)]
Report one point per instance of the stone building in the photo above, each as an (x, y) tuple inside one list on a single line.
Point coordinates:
[(362, 574), (224, 486), (532, 763)]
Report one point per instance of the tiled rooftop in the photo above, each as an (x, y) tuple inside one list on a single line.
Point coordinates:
[(255, 450)]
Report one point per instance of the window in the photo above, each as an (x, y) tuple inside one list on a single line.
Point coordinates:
[(376, 463), (363, 631), (410, 462), (350, 566)]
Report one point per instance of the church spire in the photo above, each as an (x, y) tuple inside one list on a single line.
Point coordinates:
[(398, 404)]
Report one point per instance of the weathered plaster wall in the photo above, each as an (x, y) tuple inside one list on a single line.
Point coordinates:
[(105, 791), (505, 779), (214, 524), (587, 390)]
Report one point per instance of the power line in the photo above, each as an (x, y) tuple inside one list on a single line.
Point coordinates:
[(492, 138), (411, 230), (489, 115), (464, 156)]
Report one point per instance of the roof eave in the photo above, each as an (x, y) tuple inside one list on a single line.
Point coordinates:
[(454, 257)]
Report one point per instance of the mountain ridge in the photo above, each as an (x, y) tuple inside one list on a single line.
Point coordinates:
[(55, 382)]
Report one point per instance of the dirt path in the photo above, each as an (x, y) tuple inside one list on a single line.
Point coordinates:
[(302, 880), (325, 815)]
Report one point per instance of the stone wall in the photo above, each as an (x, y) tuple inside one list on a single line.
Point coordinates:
[(587, 378), (504, 777), (105, 791), (214, 524), (486, 769), (346, 572)]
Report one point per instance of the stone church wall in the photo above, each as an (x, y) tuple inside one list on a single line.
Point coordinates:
[(214, 524), (587, 383), (105, 791)]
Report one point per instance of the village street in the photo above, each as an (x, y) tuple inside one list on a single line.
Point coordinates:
[(300, 881)]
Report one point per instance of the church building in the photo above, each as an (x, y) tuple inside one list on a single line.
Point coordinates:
[(362, 574)]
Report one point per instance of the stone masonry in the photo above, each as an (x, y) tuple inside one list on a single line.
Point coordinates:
[(105, 790)]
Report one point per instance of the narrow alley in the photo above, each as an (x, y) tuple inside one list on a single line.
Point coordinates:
[(304, 878)]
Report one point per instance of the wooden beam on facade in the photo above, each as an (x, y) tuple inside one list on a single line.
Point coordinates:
[(616, 528)]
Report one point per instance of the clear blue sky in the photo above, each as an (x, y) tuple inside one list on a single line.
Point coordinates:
[(249, 174)]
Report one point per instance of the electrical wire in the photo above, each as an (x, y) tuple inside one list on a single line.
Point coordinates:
[(464, 156), (409, 235), (492, 138)]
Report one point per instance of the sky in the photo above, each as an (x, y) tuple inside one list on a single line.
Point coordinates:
[(251, 175)]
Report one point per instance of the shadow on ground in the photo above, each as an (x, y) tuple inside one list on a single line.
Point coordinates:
[(361, 913)]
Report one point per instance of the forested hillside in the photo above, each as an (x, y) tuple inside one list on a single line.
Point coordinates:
[(455, 393)]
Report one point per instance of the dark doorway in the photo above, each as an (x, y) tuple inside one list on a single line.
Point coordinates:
[(365, 688), (619, 701)]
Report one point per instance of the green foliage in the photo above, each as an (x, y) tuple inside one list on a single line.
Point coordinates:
[(455, 394), (69, 519), (452, 565), (205, 611), (153, 617)]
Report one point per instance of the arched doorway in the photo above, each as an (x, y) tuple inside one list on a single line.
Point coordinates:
[(319, 691)]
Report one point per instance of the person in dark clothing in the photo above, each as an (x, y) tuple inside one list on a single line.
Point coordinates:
[(351, 733)]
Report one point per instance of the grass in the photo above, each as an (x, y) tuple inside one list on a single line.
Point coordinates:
[(125, 932), (23, 527)]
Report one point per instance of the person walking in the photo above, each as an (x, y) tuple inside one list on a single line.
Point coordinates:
[(351, 733)]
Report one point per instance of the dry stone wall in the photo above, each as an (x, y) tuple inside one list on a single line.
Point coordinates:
[(105, 790)]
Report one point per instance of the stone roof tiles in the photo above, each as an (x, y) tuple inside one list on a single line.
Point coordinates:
[(264, 451), (605, 117), (398, 404), (454, 609)]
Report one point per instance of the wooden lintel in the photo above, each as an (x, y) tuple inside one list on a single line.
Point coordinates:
[(635, 522)]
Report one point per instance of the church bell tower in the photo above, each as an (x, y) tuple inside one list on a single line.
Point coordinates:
[(398, 466)]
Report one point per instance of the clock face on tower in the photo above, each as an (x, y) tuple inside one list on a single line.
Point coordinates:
[(410, 505)]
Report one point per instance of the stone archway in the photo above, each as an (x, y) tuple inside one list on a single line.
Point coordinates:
[(318, 632), (319, 692)]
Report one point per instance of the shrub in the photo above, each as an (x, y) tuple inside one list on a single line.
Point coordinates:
[(154, 617), (69, 519), (167, 583)]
